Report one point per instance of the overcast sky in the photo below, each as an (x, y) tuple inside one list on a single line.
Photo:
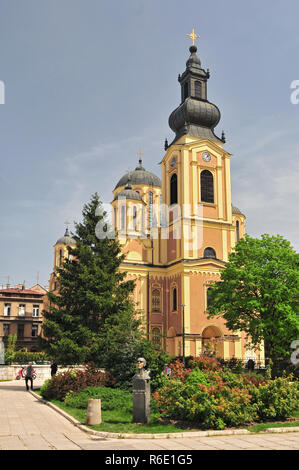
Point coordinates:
[(89, 83)]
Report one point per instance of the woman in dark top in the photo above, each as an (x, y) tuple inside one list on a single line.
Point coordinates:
[(53, 368)]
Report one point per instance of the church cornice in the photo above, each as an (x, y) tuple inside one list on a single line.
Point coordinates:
[(202, 261)]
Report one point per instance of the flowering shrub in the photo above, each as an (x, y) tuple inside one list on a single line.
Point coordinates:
[(216, 398), (204, 362), (276, 399), (74, 380)]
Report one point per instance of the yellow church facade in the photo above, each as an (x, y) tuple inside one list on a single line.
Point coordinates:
[(177, 231)]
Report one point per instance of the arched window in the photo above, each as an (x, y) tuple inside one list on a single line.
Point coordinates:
[(238, 230), (156, 338), (135, 218), (197, 89), (174, 189), (209, 253), (174, 300), (156, 300), (207, 186), (150, 209), (186, 91), (123, 218), (209, 297), (60, 258)]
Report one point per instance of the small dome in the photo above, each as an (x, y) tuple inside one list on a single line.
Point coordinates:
[(66, 240), (128, 193), (139, 176), (194, 60), (235, 210)]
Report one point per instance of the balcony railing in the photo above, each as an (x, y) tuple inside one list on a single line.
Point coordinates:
[(27, 316)]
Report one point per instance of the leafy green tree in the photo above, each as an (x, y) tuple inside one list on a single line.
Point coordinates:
[(10, 348), (92, 319), (259, 292)]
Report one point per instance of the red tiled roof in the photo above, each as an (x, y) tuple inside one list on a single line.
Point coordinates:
[(20, 291)]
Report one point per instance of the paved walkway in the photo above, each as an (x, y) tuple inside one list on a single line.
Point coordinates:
[(26, 423)]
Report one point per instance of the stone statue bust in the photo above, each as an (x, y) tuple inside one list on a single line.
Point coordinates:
[(142, 373)]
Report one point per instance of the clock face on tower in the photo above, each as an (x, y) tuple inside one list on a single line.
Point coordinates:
[(206, 157)]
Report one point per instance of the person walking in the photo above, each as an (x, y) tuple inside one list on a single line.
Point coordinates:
[(28, 376), (53, 368)]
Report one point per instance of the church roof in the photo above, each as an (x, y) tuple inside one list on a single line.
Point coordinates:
[(128, 193), (139, 176), (195, 115), (236, 210), (66, 239)]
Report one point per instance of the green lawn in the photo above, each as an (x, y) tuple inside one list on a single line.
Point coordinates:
[(121, 422), (276, 424)]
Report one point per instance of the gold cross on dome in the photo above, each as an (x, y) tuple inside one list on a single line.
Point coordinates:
[(139, 154), (193, 36)]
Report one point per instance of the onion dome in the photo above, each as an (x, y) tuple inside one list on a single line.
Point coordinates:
[(128, 193), (236, 210), (66, 239), (195, 116), (139, 176)]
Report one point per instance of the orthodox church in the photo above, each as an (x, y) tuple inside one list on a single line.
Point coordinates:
[(177, 231)]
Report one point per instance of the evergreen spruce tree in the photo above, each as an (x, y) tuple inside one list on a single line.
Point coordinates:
[(92, 319)]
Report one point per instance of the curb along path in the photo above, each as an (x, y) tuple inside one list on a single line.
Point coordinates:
[(187, 434), (29, 424)]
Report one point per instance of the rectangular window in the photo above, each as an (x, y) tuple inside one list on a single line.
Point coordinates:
[(35, 311), (7, 308), (20, 331), (22, 310), (6, 329), (34, 331)]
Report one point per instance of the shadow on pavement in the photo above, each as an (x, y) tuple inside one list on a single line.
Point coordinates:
[(17, 386)]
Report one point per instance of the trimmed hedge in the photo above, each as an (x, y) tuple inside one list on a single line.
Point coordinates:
[(111, 398), (23, 357)]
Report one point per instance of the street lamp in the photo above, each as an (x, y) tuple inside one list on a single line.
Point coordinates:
[(184, 358)]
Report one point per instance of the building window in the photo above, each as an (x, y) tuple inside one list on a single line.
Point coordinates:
[(34, 331), (20, 331), (6, 329), (22, 310), (238, 230), (60, 258), (197, 89), (123, 218), (174, 300), (156, 300), (156, 338), (209, 253), (135, 218), (173, 189), (209, 297), (7, 308), (35, 311), (150, 209), (207, 186)]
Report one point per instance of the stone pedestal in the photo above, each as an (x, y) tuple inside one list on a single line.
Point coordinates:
[(94, 414), (141, 398)]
